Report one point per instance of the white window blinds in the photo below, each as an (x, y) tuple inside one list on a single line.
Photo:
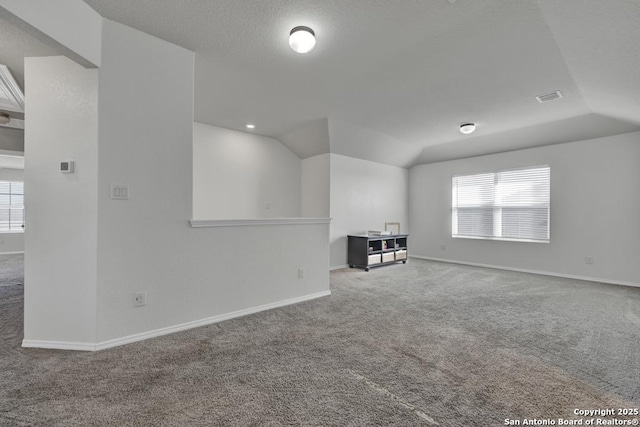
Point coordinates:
[(505, 205), (11, 206)]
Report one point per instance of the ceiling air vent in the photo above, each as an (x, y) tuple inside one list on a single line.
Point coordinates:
[(551, 96)]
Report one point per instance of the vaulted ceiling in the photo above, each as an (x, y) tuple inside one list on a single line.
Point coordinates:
[(391, 81), (15, 45)]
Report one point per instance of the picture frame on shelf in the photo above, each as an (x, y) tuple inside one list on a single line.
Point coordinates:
[(394, 227)]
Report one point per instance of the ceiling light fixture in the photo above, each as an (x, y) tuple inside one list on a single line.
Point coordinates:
[(4, 118), (250, 126), (302, 39), (467, 128)]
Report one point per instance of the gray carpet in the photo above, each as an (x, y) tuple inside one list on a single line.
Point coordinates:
[(404, 345), (11, 269)]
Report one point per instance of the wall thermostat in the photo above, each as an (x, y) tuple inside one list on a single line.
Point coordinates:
[(67, 167)]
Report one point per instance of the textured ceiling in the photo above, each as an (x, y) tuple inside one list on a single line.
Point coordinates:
[(391, 81), (16, 44), (599, 42)]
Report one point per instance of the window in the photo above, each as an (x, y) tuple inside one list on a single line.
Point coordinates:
[(505, 205), (11, 206)]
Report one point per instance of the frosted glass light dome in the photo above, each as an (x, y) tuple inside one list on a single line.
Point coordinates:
[(467, 128), (302, 39)]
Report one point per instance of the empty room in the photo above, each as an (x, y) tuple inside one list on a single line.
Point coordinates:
[(319, 213)]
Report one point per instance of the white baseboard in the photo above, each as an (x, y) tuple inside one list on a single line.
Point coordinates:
[(59, 345), (12, 253), (524, 270), (339, 267), (62, 345)]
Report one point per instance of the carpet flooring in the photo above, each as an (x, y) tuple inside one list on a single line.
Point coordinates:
[(424, 343), (11, 269)]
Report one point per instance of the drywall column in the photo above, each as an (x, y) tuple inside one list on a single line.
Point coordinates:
[(61, 209), (146, 121)]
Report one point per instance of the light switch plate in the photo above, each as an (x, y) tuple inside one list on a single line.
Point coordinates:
[(120, 192)]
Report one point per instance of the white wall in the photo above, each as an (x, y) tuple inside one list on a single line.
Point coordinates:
[(241, 175), (11, 242), (364, 195), (360, 143), (595, 210), (145, 244), (7, 174), (315, 186), (61, 217), (131, 123)]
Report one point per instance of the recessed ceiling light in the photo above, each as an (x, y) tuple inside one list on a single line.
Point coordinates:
[(250, 126), (467, 128), (302, 39)]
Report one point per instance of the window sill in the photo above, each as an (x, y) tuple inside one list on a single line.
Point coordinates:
[(501, 239), (12, 232)]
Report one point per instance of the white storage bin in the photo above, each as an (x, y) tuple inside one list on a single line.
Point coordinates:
[(374, 259), (387, 257)]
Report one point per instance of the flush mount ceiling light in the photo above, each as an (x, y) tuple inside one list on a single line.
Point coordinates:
[(302, 39), (467, 128), (4, 118)]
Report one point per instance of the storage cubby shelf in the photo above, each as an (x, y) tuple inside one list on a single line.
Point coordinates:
[(366, 251)]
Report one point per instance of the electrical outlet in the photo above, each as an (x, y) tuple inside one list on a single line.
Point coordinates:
[(443, 247), (267, 206), (300, 273), (139, 299), (588, 260)]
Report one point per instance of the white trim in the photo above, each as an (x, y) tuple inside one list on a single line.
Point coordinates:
[(200, 223), (339, 267), (11, 153), (58, 345), (500, 239), (12, 253), (525, 270), (14, 124), (10, 87), (62, 345)]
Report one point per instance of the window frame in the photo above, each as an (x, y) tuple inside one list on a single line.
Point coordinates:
[(11, 207), (497, 209)]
